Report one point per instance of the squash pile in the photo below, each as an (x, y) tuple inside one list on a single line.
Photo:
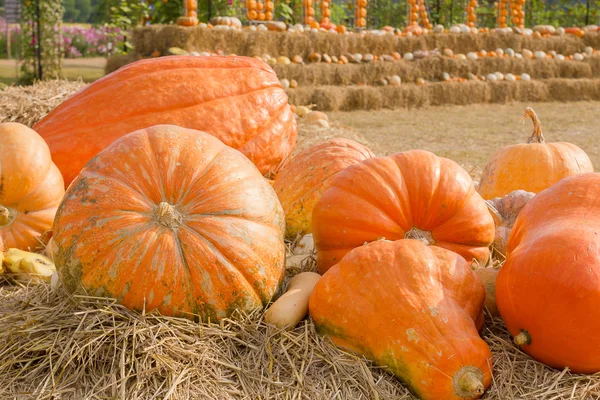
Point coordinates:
[(170, 208)]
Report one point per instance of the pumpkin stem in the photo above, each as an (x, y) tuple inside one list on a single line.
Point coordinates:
[(167, 215), (522, 338), (7, 216), (537, 136), (418, 234), (468, 382)]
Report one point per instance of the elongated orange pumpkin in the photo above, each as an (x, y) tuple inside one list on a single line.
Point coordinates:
[(171, 219), (412, 308), (31, 187), (548, 290), (302, 181), (532, 166), (237, 99), (410, 195)]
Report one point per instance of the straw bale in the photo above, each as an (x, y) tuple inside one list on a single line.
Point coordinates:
[(350, 98), (148, 39)]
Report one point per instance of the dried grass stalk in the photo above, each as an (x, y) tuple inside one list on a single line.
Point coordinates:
[(57, 346), (28, 104)]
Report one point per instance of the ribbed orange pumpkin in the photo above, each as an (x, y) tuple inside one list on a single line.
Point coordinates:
[(171, 219), (548, 291), (411, 308), (410, 195), (532, 166), (31, 187), (302, 181), (237, 99)]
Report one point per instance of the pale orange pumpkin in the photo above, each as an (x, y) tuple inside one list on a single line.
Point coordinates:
[(171, 219), (31, 187), (302, 181), (532, 166)]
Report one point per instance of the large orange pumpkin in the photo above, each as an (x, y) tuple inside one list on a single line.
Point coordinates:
[(532, 166), (31, 187), (413, 194), (302, 181), (412, 308), (237, 99), (171, 219), (548, 291)]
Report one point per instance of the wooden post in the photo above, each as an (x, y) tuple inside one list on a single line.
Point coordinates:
[(8, 40), (587, 12), (38, 41)]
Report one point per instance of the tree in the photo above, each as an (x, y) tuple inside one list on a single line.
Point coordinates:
[(85, 9), (71, 12)]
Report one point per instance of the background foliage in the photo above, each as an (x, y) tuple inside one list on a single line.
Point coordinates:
[(106, 22), (41, 40)]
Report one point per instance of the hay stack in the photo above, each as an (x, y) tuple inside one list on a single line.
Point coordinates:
[(148, 39), (350, 98), (28, 104), (67, 347), (431, 68)]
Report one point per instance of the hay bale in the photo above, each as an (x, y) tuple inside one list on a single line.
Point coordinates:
[(56, 345), (28, 104), (431, 68), (351, 98), (148, 39)]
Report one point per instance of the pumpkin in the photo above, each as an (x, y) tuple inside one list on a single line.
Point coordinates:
[(237, 99), (548, 290), (412, 310), (409, 195), (171, 219), (532, 166), (300, 183), (31, 187), (505, 210)]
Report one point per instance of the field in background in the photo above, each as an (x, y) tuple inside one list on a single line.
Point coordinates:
[(470, 134), (87, 69)]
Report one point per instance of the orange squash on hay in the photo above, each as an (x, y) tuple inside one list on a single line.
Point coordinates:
[(237, 99), (413, 194), (302, 181), (171, 219), (411, 308), (31, 187)]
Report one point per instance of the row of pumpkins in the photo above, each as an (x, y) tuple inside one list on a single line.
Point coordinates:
[(163, 216)]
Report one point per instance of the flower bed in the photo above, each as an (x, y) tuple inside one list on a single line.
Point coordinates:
[(78, 40)]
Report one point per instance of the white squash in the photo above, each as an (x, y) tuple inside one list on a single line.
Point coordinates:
[(292, 306)]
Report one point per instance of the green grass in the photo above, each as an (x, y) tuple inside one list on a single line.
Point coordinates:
[(72, 70)]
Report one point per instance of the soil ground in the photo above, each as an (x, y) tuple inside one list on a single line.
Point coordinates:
[(470, 134)]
